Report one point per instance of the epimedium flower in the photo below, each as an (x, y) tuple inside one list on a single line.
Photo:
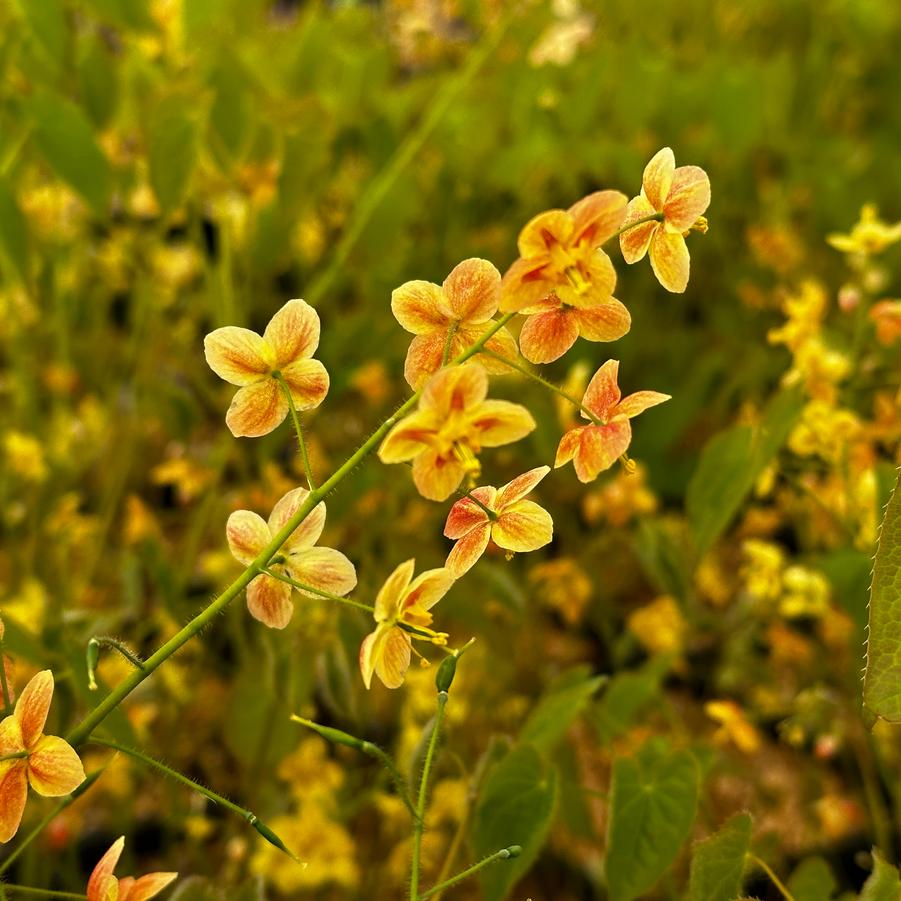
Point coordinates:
[(501, 515), (453, 423), (451, 317), (103, 886), (678, 198), (45, 762), (402, 613), (323, 568), (256, 364), (870, 235), (596, 447), (559, 254)]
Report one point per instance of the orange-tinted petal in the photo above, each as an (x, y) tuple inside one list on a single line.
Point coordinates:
[(473, 290), (603, 393), (33, 706), (543, 230), (54, 769), (519, 487), (567, 447), (247, 535), (391, 594), (323, 568), (256, 409), (104, 869), (600, 447), (393, 658), (237, 355), (658, 177), (608, 322), (13, 793), (498, 422), (670, 261), (409, 437), (455, 388), (293, 333), (424, 357), (107, 889), (547, 336), (598, 216), (468, 549), (634, 242), (149, 886), (524, 526), (466, 514), (503, 344), (308, 382), (269, 601), (436, 478), (428, 588), (639, 402), (417, 307), (689, 196), (596, 286), (526, 282), (11, 741), (308, 532)]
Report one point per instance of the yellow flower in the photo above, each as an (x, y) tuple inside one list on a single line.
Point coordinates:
[(25, 456), (734, 727), (103, 886), (659, 626), (870, 235), (762, 572), (806, 593), (564, 586)]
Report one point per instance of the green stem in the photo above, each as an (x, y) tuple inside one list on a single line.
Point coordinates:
[(208, 615), (41, 892), (773, 877), (308, 470), (503, 854), (485, 509), (449, 341), (3, 684), (16, 755), (93, 656), (654, 217), (419, 822), (318, 592)]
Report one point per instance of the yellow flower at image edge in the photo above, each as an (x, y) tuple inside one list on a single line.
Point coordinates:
[(256, 363), (453, 423), (48, 764), (323, 568), (103, 886), (402, 600)]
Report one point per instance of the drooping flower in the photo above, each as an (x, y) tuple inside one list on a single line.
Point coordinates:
[(559, 254), (514, 524), (103, 886), (679, 197), (452, 316), (596, 447), (47, 763), (255, 363), (402, 602), (453, 423), (323, 568)]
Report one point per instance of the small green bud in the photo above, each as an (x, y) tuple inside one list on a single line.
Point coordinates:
[(445, 676), (333, 735), (93, 658)]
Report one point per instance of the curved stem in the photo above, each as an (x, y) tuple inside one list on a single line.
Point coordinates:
[(654, 217), (308, 470), (773, 877), (503, 854), (318, 592), (41, 892)]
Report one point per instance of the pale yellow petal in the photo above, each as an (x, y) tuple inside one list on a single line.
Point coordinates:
[(247, 534), (257, 410), (670, 260), (54, 769), (238, 355), (524, 526), (269, 601), (293, 333)]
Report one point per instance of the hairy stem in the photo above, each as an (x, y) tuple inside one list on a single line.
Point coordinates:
[(503, 854), (300, 586), (308, 470)]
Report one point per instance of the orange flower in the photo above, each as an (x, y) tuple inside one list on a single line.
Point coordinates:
[(514, 524), (594, 448), (269, 599), (679, 197), (458, 311), (255, 363), (453, 423), (559, 254), (402, 602), (887, 316), (103, 886), (47, 763)]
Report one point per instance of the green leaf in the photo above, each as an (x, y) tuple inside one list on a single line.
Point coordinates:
[(883, 883), (731, 463), (47, 21), (882, 677), (719, 861), (14, 240), (653, 801), (171, 150), (627, 694), (99, 81), (65, 139), (812, 880), (515, 807), (559, 707)]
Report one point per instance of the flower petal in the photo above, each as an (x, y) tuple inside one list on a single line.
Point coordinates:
[(308, 382), (634, 241), (11, 741), (568, 446), (518, 488), (237, 355), (547, 336), (598, 216), (54, 769), (467, 550), (424, 357), (269, 601), (388, 600), (104, 869), (323, 568), (369, 647), (526, 282), (435, 477), (247, 535), (256, 409), (455, 388), (658, 177), (409, 437), (13, 793), (603, 393), (308, 532), (670, 260), (150, 886), (500, 422), (417, 307), (525, 526), (608, 322), (293, 333), (543, 230), (107, 889), (639, 402), (503, 344), (466, 514), (428, 588), (473, 290), (598, 281), (33, 706), (600, 447), (393, 661), (689, 196)]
